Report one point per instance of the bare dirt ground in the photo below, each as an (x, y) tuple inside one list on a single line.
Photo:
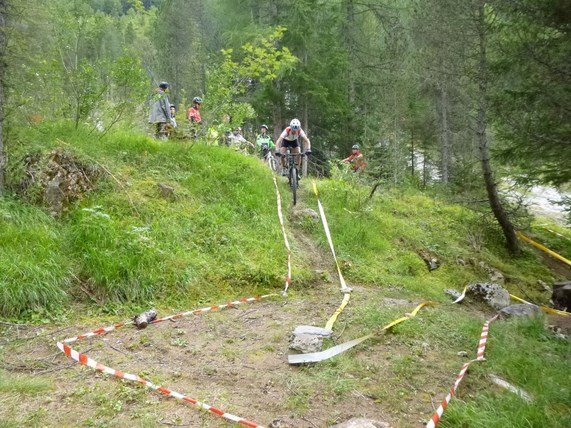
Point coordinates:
[(235, 359)]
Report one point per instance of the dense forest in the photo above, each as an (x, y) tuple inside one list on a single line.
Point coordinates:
[(437, 92)]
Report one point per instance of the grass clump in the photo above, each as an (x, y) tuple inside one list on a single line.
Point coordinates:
[(34, 269)]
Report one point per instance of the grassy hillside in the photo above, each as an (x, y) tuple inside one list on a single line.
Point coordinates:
[(125, 243), (124, 247)]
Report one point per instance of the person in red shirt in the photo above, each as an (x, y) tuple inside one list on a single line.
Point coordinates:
[(193, 116), (193, 113), (356, 158)]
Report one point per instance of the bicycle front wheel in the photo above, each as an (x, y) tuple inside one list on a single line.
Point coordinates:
[(293, 183)]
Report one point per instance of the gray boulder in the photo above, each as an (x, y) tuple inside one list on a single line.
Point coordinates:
[(307, 338), (519, 310), (361, 423), (307, 343), (492, 294)]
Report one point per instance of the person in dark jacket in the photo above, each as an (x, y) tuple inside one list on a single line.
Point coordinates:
[(160, 110)]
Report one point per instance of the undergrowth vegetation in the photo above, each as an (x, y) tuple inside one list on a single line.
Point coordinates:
[(217, 233), (214, 235)]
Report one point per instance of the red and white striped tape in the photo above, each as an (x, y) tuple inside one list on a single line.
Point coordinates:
[(479, 357), (89, 362), (286, 241)]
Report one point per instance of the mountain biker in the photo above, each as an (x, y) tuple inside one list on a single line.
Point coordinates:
[(356, 158), (290, 138), (160, 110), (264, 141)]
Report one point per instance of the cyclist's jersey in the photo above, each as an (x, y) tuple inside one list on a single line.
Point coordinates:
[(193, 115), (291, 135), (264, 139)]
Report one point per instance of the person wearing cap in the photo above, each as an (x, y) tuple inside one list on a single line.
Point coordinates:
[(356, 158), (193, 113), (160, 110), (193, 116), (263, 140)]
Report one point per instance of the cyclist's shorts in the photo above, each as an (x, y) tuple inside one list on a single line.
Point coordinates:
[(288, 143)]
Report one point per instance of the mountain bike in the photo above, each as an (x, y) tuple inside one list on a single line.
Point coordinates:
[(293, 173), (269, 158)]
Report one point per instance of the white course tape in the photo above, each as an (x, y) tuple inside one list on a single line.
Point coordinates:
[(286, 241), (315, 357)]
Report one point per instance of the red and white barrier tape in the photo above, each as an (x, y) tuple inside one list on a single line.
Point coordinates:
[(286, 241), (479, 357), (87, 361)]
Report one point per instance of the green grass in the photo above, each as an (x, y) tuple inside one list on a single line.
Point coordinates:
[(379, 240), (34, 270), (526, 355), (24, 384), (219, 239)]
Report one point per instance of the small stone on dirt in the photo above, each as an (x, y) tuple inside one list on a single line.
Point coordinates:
[(361, 423), (462, 354), (307, 343), (519, 310), (307, 213), (308, 339), (493, 294)]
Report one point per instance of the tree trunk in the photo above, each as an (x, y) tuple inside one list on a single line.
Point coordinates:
[(444, 137), (3, 160), (481, 125)]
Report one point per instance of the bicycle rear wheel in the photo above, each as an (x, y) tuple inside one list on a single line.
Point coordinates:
[(293, 183)]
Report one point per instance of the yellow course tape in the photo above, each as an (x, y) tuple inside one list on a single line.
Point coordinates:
[(333, 318), (543, 248), (315, 357)]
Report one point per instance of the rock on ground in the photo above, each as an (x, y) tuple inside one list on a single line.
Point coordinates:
[(519, 310), (307, 338), (492, 294), (307, 343), (361, 423)]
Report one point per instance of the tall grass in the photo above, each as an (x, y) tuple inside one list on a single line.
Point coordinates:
[(34, 269), (219, 238)]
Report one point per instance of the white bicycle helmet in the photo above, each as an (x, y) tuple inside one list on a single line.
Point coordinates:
[(295, 124)]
